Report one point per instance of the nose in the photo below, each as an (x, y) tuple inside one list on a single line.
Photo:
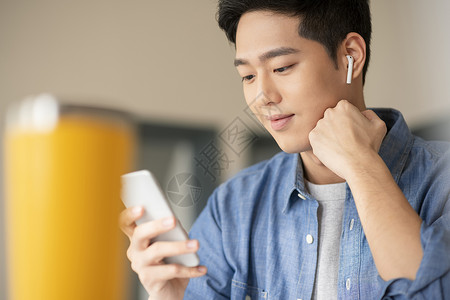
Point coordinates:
[(266, 96), (267, 91)]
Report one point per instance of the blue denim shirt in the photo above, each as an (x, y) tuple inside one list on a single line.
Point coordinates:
[(252, 232)]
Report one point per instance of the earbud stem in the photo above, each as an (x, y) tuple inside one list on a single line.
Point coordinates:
[(350, 69)]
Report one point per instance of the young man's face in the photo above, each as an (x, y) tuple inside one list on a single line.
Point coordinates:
[(289, 81)]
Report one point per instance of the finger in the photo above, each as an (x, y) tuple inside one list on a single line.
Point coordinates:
[(378, 123), (160, 250), (128, 217), (171, 271), (370, 114), (147, 231)]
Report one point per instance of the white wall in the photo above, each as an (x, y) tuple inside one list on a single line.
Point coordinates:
[(410, 69), (168, 61), (161, 59)]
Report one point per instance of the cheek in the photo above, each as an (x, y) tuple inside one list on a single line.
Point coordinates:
[(249, 94), (309, 96), (312, 88), (303, 85), (249, 99), (254, 101)]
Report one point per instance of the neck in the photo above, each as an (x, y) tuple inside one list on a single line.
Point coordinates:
[(316, 172)]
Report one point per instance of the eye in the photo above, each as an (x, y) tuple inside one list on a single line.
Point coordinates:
[(248, 77), (281, 70)]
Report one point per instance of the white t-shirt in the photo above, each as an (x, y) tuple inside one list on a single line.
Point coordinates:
[(331, 198)]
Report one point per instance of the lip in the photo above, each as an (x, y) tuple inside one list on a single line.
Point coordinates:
[(278, 122), (277, 117)]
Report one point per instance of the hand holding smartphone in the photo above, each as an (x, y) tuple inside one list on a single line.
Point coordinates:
[(141, 188)]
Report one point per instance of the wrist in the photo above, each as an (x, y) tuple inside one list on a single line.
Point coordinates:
[(369, 165)]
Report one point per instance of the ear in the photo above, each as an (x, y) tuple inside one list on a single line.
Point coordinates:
[(355, 46)]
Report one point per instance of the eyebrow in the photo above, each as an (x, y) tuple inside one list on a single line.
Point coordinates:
[(268, 55)]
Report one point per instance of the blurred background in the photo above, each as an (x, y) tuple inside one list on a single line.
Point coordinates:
[(168, 63)]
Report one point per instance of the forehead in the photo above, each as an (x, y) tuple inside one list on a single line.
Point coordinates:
[(259, 31)]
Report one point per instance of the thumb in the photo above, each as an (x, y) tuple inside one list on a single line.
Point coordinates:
[(370, 115)]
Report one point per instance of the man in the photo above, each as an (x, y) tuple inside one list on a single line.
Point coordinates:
[(354, 208)]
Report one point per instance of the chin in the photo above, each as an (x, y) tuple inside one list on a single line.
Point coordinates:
[(291, 145)]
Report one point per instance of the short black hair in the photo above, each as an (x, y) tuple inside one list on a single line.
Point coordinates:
[(325, 21)]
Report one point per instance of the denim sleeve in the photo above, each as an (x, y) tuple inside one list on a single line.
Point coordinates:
[(216, 284), (433, 276)]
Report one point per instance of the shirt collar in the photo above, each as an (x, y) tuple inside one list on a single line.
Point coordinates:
[(394, 151), (397, 143), (294, 180)]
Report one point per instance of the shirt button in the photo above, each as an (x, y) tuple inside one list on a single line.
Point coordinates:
[(301, 196), (248, 297), (309, 239), (351, 223), (347, 284)]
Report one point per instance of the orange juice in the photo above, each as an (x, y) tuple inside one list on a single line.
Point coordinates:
[(62, 206)]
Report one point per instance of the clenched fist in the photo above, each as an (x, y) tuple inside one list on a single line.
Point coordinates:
[(345, 137)]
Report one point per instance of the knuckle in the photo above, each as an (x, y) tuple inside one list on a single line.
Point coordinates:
[(313, 133), (130, 254), (156, 247), (175, 269), (138, 231), (381, 125), (135, 266), (319, 124), (193, 272), (156, 286), (123, 213), (154, 253), (143, 231), (343, 105), (126, 217), (153, 259), (122, 224), (371, 112), (314, 151), (146, 279), (159, 224), (179, 248), (329, 110)]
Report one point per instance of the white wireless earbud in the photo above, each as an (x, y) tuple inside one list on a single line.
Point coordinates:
[(350, 69)]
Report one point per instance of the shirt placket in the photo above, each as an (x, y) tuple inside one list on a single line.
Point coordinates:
[(350, 251), (309, 248)]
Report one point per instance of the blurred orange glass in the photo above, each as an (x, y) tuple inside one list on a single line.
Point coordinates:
[(62, 173)]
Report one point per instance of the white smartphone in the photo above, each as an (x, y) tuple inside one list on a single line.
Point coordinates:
[(141, 188)]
